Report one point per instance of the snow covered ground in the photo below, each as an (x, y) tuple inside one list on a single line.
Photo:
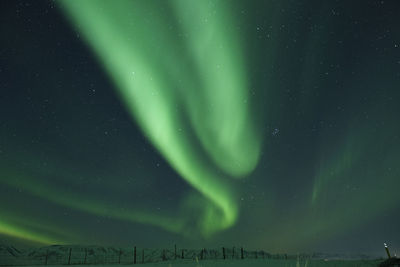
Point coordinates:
[(242, 263), (97, 256)]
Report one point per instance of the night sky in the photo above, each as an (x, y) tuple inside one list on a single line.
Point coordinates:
[(266, 124)]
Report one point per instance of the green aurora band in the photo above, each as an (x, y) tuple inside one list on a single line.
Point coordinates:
[(178, 67), (23, 233), (189, 95)]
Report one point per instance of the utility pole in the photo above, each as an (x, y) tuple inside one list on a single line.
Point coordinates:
[(387, 250)]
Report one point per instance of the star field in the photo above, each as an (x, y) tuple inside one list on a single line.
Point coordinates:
[(271, 124)]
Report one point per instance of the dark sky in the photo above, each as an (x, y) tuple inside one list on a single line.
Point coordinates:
[(266, 124)]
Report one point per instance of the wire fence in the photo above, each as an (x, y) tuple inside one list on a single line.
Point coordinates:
[(78, 255)]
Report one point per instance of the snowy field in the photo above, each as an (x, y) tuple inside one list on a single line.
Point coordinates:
[(97, 256), (242, 263)]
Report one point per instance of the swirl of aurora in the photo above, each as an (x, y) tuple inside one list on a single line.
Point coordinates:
[(186, 91)]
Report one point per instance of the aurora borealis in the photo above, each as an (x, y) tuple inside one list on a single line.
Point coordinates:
[(158, 88), (270, 124)]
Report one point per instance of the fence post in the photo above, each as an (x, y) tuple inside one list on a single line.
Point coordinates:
[(233, 252), (163, 255), (69, 257), (47, 255), (183, 256), (223, 252), (175, 251), (134, 255), (256, 253), (119, 256), (84, 261), (241, 252), (143, 255)]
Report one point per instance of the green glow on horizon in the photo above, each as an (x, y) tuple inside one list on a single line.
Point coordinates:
[(91, 205), (13, 230)]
